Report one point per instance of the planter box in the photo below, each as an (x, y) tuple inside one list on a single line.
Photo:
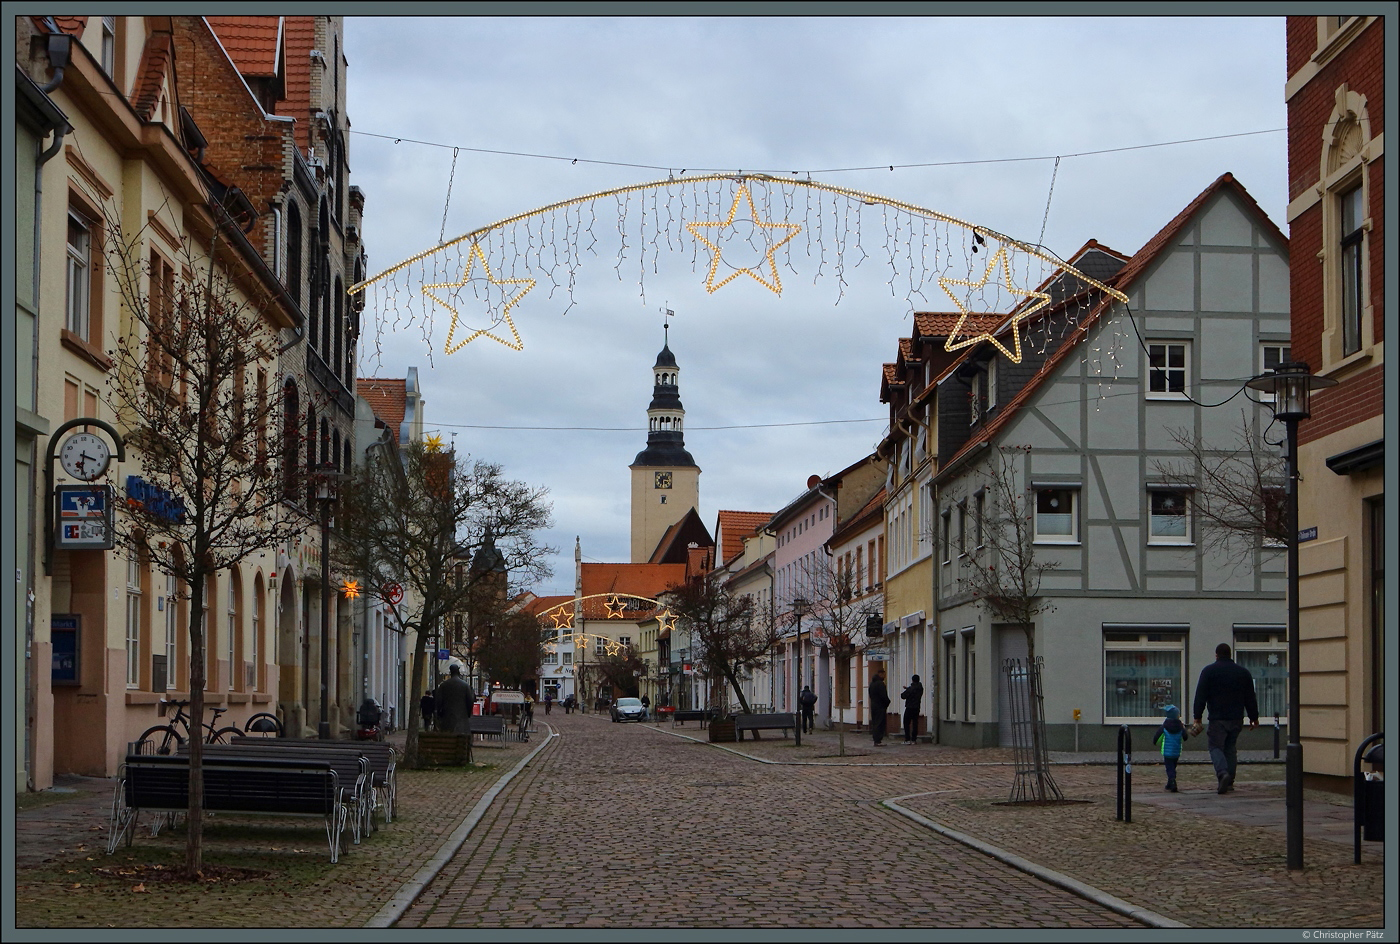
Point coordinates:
[(723, 731), (436, 749)]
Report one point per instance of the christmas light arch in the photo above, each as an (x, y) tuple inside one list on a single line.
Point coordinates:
[(733, 225)]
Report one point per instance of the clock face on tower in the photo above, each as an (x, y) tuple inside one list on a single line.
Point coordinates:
[(663, 480)]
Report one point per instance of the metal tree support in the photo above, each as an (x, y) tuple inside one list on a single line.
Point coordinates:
[(1026, 703)]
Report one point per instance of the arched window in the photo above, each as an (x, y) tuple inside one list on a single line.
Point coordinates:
[(325, 441), (337, 362), (335, 450), (310, 455), (294, 244), (255, 647), (1349, 326), (291, 414), (234, 634)]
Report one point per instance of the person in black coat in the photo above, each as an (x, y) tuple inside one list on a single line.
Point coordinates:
[(427, 708), (1227, 689), (879, 705), (807, 701), (913, 695)]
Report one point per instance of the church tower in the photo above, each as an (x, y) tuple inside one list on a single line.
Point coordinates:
[(665, 479)]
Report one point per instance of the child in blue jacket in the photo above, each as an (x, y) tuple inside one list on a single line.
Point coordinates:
[(1170, 734)]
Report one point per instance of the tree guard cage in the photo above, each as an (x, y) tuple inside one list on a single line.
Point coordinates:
[(1026, 703)]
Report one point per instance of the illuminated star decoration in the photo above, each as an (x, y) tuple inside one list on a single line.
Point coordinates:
[(351, 588), (433, 443), (580, 640), (562, 618), (614, 605), (999, 258), (667, 619), (613, 648), (775, 286), (475, 254)]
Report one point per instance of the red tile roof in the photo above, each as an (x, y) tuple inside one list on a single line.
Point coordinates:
[(299, 33), (150, 74), (251, 41), (732, 527), (940, 324), (540, 604), (72, 25), (387, 397), (892, 375), (643, 580)]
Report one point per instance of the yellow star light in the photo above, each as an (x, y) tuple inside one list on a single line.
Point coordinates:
[(580, 640), (667, 619), (475, 254), (613, 648), (351, 588), (1000, 258), (433, 443), (614, 605), (775, 286), (562, 618)]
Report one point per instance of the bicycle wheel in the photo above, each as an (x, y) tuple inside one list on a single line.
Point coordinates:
[(224, 735), (263, 724), (161, 739)]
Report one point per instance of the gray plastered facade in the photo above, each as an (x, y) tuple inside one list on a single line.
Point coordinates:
[(1221, 289)]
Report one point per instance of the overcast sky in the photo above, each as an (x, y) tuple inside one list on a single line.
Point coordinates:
[(778, 95)]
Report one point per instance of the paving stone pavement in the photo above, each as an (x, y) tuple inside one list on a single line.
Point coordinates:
[(645, 829), (651, 827)]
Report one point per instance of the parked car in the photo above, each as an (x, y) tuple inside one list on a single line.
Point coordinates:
[(628, 709)]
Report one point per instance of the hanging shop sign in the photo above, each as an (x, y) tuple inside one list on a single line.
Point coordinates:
[(84, 517), (154, 500)]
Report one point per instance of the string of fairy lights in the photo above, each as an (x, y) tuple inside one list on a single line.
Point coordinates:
[(722, 227)]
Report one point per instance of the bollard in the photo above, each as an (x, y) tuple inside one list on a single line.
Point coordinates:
[(1125, 774)]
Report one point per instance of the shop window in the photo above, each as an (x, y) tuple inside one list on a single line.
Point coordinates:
[(1264, 651), (1056, 518), (1143, 675)]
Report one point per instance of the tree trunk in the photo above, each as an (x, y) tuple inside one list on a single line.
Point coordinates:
[(415, 696), (194, 828)]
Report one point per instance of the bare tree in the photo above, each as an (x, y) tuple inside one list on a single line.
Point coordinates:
[(1237, 491), (509, 652), (405, 528), (731, 636), (190, 385), (838, 614), (1005, 576)]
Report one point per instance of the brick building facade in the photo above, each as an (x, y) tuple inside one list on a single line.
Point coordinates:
[(1336, 189)]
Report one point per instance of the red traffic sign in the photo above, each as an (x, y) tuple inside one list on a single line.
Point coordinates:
[(393, 593)]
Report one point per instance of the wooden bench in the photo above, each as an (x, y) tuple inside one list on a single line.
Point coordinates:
[(488, 726), (690, 714), (383, 765), (350, 765), (770, 721), (251, 785)]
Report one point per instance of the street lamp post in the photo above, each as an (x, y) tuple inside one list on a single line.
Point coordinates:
[(325, 496), (800, 606), (1291, 385)]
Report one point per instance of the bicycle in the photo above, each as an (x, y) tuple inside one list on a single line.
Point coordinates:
[(165, 739), (527, 716)]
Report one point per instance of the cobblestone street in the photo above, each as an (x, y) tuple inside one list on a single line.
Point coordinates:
[(646, 829)]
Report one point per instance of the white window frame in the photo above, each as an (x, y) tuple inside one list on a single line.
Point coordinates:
[(257, 633), (969, 663), (172, 628), (78, 317), (1272, 640), (232, 606), (980, 517), (950, 676), (946, 518), (1148, 639), (1166, 371), (1155, 520), (133, 618), (549, 658), (1047, 537), (991, 384), (109, 46), (975, 399), (566, 658), (1351, 268), (1282, 351)]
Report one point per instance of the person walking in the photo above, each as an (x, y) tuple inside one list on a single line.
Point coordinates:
[(1170, 733), (454, 703), (879, 705), (1227, 689), (646, 707), (807, 701), (548, 701), (427, 707), (913, 696)]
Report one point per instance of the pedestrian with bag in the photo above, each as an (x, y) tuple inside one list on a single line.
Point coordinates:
[(807, 701), (1226, 688), (879, 705), (913, 696)]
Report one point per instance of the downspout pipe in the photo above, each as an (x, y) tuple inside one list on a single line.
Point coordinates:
[(60, 50)]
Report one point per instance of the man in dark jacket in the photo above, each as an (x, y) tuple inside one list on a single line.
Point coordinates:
[(1227, 689), (879, 705), (807, 701), (913, 696)]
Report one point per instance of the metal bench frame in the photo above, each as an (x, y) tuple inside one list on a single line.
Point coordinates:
[(770, 721), (270, 787), (383, 766), (351, 766)]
